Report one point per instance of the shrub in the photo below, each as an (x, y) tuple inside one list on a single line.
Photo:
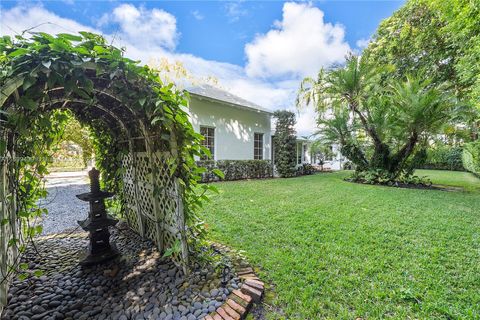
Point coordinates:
[(236, 169), (348, 166), (384, 177), (284, 143), (305, 169), (471, 157), (444, 158)]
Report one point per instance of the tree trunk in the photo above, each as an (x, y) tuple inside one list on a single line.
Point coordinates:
[(356, 155), (381, 156), (399, 158)]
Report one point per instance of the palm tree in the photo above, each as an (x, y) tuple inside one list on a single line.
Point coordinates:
[(351, 102)]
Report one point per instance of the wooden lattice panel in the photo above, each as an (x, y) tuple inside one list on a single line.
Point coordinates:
[(151, 201), (168, 197), (131, 218), (129, 194), (127, 165), (145, 197), (142, 167), (150, 229)]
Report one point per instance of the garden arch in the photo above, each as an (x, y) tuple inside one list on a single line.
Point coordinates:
[(146, 141)]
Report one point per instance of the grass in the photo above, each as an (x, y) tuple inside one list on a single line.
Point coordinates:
[(339, 250), (464, 180)]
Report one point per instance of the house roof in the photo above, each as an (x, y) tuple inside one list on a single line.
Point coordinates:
[(209, 92)]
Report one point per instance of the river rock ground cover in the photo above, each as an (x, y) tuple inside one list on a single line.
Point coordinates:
[(139, 285)]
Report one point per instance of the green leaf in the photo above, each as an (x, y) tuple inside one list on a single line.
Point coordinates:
[(23, 213), (9, 87), (86, 34), (219, 173), (70, 37), (100, 50), (23, 266), (176, 248), (17, 52), (12, 242), (38, 273), (213, 188), (82, 50), (22, 276), (27, 103), (59, 45), (82, 93), (38, 229), (168, 253), (28, 82)]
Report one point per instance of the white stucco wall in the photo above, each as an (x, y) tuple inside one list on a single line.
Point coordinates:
[(234, 128), (337, 162), (338, 159)]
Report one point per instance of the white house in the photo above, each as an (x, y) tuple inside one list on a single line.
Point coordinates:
[(237, 129), (234, 128), (305, 154)]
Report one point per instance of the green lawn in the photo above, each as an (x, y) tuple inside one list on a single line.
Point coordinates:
[(465, 180), (339, 250)]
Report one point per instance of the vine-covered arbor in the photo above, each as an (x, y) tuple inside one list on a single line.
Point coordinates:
[(145, 143)]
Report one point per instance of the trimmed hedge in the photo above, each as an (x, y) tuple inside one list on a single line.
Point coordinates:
[(236, 169), (444, 158), (471, 157)]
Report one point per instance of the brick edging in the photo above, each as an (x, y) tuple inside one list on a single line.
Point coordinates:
[(239, 302)]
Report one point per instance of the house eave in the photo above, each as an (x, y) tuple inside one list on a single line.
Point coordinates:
[(230, 104)]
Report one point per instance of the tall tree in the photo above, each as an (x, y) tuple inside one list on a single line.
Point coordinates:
[(439, 39), (377, 124)]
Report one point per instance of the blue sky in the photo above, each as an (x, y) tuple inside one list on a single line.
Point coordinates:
[(218, 30), (259, 50)]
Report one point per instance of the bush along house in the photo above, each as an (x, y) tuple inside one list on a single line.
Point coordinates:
[(238, 134)]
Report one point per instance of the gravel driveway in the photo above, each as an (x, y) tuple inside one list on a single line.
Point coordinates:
[(64, 209)]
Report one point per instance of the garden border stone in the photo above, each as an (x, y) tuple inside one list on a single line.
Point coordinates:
[(239, 301)]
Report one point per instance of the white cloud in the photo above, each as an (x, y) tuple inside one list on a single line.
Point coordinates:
[(146, 28), (235, 10), (363, 43), (20, 18), (197, 15), (299, 45), (136, 22)]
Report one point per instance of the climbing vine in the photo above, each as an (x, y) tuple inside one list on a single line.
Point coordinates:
[(43, 75), (28, 165)]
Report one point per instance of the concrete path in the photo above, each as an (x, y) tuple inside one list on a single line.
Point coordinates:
[(64, 209)]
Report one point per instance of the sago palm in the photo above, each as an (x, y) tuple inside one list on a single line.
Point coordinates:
[(393, 118)]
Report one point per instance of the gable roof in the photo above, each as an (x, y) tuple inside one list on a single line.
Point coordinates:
[(209, 92)]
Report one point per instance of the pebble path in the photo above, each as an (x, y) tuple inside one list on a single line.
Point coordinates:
[(138, 285)]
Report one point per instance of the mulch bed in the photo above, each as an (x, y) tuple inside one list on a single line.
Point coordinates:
[(412, 186)]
